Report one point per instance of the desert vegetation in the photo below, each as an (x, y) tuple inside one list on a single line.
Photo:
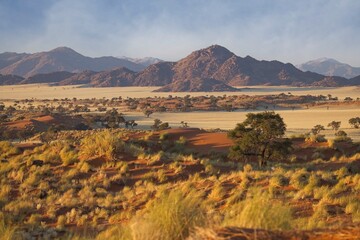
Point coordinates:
[(87, 169), (122, 183)]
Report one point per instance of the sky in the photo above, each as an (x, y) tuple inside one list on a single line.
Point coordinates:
[(286, 30)]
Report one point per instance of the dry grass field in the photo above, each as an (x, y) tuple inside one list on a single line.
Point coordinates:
[(122, 184), (44, 91), (298, 121), (69, 174)]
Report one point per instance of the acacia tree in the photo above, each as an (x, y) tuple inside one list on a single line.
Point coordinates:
[(317, 129), (334, 125), (260, 135), (355, 122), (159, 125), (147, 112)]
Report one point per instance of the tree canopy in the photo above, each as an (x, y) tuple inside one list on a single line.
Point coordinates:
[(261, 136)]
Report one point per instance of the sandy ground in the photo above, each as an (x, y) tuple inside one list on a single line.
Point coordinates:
[(43, 91), (298, 121)]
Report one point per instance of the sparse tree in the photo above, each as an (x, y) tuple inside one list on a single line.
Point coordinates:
[(317, 129), (184, 124), (147, 112), (261, 136), (159, 125), (355, 122), (334, 125), (131, 124)]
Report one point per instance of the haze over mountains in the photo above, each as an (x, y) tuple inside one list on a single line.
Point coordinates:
[(330, 67), (214, 68)]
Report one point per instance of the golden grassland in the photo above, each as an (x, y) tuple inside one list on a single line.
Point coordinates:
[(44, 91), (179, 183), (298, 120), (133, 184)]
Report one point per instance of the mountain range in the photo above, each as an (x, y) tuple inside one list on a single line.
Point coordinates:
[(330, 67), (146, 61), (58, 59), (214, 68)]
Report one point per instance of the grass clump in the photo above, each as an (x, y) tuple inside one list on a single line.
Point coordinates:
[(172, 216), (7, 231), (261, 212), (102, 144), (299, 179), (353, 208)]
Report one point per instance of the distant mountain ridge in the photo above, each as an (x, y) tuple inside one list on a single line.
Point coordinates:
[(146, 61), (330, 67), (58, 59), (214, 68)]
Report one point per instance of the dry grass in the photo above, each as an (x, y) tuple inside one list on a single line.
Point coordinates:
[(43, 91)]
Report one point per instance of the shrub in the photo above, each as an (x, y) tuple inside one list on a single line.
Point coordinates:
[(278, 181), (217, 193), (317, 220), (19, 208), (299, 179), (163, 136), (7, 231), (61, 221), (115, 233), (259, 211), (7, 149), (68, 156), (34, 219), (353, 208), (103, 144), (172, 216), (84, 167)]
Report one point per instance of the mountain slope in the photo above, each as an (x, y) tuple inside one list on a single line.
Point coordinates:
[(330, 67), (64, 59), (197, 85), (210, 69), (158, 74), (47, 77), (117, 77), (218, 63), (10, 79), (8, 58), (146, 61)]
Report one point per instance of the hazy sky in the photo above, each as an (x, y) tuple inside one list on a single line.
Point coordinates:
[(287, 30)]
